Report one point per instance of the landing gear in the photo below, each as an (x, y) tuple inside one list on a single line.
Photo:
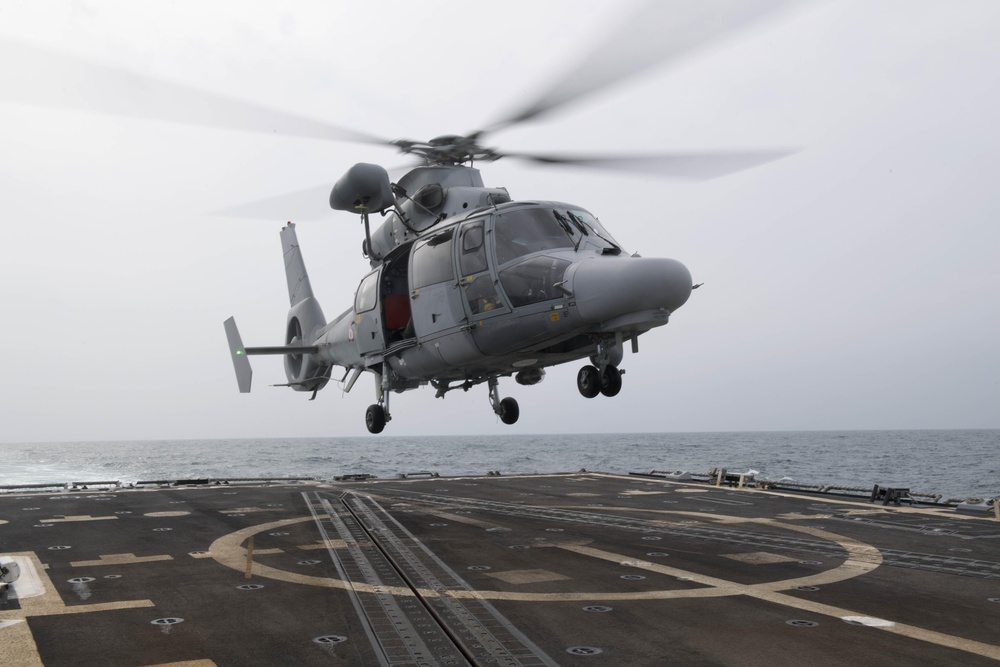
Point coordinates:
[(611, 381), (588, 381), (375, 418), (507, 409), (377, 414), (603, 377), (592, 382)]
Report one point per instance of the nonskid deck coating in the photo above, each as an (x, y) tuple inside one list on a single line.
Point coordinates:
[(575, 569)]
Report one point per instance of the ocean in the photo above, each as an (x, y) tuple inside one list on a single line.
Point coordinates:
[(953, 463)]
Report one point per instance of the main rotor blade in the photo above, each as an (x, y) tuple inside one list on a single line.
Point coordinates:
[(307, 204), (701, 166), (658, 32), (36, 76)]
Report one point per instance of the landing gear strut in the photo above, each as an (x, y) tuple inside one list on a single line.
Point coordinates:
[(377, 414), (507, 409)]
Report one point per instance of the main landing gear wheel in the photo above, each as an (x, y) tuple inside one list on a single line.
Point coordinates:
[(588, 381), (611, 381), (375, 418), (509, 411)]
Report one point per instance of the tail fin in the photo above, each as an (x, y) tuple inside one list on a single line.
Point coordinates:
[(305, 320), (299, 287)]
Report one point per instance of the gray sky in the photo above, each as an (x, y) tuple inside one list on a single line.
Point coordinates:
[(853, 285)]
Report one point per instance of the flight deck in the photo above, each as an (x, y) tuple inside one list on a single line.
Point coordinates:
[(561, 569)]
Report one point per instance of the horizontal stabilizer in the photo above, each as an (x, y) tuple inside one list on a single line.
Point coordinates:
[(283, 349), (240, 362)]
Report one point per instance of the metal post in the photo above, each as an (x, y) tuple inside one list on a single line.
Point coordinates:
[(996, 508)]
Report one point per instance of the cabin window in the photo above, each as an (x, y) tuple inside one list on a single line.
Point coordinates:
[(525, 231), (432, 261), (533, 280), (367, 292), (473, 257)]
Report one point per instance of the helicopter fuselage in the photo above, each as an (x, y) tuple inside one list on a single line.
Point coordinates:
[(510, 289)]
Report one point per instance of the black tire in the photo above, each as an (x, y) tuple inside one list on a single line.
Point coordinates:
[(375, 418), (509, 411), (611, 381), (588, 381)]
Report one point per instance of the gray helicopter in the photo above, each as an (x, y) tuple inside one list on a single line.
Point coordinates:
[(467, 285)]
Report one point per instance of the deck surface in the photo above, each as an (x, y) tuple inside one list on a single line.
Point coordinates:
[(573, 569)]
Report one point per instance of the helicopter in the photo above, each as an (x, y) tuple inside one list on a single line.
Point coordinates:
[(466, 284)]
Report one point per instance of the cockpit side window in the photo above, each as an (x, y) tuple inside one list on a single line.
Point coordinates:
[(432, 261), (525, 231), (473, 257)]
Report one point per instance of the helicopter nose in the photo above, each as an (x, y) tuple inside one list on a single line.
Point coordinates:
[(608, 287)]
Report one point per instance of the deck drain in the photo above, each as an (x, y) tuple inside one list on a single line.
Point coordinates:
[(479, 568), (632, 577), (277, 534), (962, 549), (124, 512), (597, 608), (250, 587), (652, 538), (44, 525), (308, 562), (237, 514), (80, 580), (519, 546), (197, 553), (30, 509), (584, 650), (171, 620), (993, 600), (112, 576), (438, 525), (498, 529), (161, 530), (555, 530), (802, 624), (59, 548), (810, 562), (806, 588), (658, 554), (330, 639)]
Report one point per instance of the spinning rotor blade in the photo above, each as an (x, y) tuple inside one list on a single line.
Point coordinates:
[(37, 76), (682, 166), (308, 204), (657, 33)]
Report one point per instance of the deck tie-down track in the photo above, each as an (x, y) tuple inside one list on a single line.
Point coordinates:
[(400, 591), (967, 567)]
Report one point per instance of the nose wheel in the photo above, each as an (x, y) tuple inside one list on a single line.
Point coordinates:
[(591, 382)]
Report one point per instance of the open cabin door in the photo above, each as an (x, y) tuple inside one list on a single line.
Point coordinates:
[(367, 327)]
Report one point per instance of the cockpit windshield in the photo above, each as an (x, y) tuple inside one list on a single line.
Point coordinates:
[(584, 219), (528, 230)]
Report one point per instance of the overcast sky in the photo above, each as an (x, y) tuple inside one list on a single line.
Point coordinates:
[(853, 285)]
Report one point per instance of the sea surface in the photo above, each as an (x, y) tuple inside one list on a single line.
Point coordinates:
[(955, 464)]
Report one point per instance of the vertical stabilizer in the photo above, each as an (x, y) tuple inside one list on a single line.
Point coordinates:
[(295, 268)]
